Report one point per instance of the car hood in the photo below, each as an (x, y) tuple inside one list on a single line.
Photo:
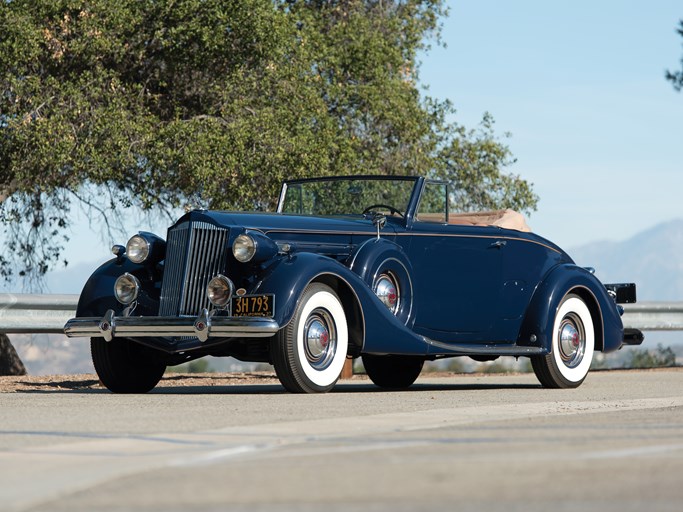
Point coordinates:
[(282, 222)]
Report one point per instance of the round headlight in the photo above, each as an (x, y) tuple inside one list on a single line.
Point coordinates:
[(244, 248), (137, 249), (219, 290), (126, 288)]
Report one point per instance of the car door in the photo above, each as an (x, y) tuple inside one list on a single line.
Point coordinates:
[(457, 281)]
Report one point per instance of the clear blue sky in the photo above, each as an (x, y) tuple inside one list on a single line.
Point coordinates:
[(579, 85)]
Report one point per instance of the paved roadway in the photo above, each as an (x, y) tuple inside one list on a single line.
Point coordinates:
[(497, 443)]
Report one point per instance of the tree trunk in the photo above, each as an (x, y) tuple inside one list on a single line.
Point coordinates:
[(10, 363)]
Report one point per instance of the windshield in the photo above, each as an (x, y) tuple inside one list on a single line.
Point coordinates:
[(348, 196)]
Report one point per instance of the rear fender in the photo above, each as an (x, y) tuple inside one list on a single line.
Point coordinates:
[(537, 327)]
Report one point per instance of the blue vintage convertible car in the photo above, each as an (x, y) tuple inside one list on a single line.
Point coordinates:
[(371, 267)]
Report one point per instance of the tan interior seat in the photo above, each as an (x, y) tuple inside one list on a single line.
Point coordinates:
[(508, 219)]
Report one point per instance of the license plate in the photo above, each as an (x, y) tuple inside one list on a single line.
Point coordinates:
[(253, 305)]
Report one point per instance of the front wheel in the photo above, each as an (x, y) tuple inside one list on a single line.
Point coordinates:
[(124, 366), (309, 353), (573, 344)]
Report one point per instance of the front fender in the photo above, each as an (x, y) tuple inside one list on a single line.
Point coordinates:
[(98, 293), (383, 332), (537, 327)]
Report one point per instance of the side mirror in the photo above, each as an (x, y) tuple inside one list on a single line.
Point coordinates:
[(379, 220)]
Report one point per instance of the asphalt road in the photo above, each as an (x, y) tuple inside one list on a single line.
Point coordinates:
[(498, 443)]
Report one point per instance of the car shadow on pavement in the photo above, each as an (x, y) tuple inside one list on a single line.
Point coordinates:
[(249, 383), (419, 387), (207, 386)]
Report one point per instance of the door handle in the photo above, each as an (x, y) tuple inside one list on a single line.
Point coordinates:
[(498, 244)]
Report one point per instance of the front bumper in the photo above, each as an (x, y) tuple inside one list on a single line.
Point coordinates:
[(203, 327)]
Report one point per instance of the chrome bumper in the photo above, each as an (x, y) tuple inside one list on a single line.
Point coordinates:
[(203, 327)]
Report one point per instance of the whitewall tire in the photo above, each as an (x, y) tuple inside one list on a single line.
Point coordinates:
[(572, 348), (310, 352)]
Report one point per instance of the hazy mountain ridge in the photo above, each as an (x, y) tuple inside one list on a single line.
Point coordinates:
[(653, 259)]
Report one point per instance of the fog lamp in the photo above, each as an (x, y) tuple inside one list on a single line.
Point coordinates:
[(220, 290), (126, 288)]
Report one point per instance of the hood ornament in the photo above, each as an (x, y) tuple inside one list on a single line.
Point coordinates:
[(195, 201)]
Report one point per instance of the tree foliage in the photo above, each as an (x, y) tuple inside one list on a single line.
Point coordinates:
[(662, 357), (151, 103), (676, 78)]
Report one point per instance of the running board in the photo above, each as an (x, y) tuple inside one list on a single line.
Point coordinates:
[(491, 349)]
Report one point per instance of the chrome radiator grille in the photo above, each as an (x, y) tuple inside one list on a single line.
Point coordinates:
[(195, 252)]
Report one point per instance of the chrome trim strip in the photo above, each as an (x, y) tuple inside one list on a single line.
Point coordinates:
[(496, 237), (161, 326), (281, 198), (373, 235)]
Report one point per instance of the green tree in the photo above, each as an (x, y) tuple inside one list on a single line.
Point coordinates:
[(153, 103), (676, 78)]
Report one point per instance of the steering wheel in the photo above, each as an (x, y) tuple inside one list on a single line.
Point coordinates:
[(380, 205)]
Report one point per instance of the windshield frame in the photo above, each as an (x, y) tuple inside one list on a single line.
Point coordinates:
[(418, 183)]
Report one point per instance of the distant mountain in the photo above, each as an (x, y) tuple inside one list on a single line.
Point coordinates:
[(71, 279), (653, 259)]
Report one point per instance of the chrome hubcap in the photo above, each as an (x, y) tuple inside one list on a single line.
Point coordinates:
[(572, 341), (387, 291), (320, 339)]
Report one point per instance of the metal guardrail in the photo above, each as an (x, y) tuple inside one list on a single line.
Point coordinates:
[(24, 313), (34, 314), (654, 316)]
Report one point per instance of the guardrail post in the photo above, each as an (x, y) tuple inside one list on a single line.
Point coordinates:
[(10, 362)]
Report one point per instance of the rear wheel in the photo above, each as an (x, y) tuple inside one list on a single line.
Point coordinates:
[(393, 372), (573, 344), (309, 353), (124, 366)]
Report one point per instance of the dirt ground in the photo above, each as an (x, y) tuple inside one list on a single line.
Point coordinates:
[(15, 384)]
